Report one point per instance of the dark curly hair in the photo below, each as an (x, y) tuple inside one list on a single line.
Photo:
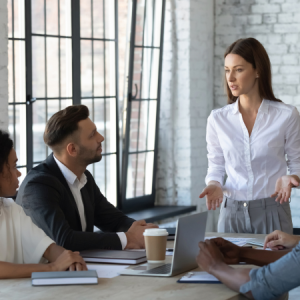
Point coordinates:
[(6, 145)]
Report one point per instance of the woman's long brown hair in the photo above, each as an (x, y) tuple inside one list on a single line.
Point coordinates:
[(254, 53)]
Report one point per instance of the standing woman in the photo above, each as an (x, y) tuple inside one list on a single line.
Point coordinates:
[(249, 140)]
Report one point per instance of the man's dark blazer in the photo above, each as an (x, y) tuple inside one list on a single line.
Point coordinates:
[(46, 197)]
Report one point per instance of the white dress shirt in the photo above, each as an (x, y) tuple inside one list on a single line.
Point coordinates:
[(21, 241), (253, 164), (75, 186)]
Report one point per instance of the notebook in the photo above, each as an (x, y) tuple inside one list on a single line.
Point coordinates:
[(64, 278), (114, 256), (198, 277)]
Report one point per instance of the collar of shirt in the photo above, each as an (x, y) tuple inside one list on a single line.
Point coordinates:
[(264, 107), (70, 176)]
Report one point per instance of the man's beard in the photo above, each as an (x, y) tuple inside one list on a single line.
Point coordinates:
[(89, 156)]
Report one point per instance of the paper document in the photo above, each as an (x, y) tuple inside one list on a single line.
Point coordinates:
[(237, 241), (199, 277), (107, 271)]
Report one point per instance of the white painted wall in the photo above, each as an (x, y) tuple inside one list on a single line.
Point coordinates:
[(3, 66)]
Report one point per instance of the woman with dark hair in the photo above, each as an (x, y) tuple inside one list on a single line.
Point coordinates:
[(249, 140), (23, 245)]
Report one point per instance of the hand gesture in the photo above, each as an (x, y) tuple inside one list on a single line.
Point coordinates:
[(283, 188), (135, 238), (209, 256), (214, 195), (278, 240), (68, 260), (230, 251)]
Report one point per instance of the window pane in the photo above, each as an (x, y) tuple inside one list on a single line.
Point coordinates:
[(148, 26), (99, 68), (110, 74), (65, 17), (99, 119), (131, 174), (154, 74), (20, 143), (137, 73), (110, 124), (38, 66), (146, 73), (149, 173), (98, 19), (52, 67), (157, 23), (52, 17), (139, 22), (66, 67), (9, 12), (24, 173), (86, 68), (37, 16), (109, 19), (89, 104), (85, 18), (20, 71), (140, 175), (151, 125), (38, 127), (143, 126), (106, 177), (10, 72), (65, 103), (134, 123), (53, 107), (19, 19)]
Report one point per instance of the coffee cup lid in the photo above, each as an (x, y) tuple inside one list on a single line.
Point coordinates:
[(155, 232)]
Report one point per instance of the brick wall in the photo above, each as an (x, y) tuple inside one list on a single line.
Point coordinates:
[(3, 66), (276, 24), (186, 101)]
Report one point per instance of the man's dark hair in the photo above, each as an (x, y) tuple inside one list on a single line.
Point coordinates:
[(6, 145), (64, 123)]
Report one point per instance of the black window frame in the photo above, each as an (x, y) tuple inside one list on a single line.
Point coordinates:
[(146, 201), (134, 204)]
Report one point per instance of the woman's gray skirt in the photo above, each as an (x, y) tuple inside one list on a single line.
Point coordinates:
[(257, 216)]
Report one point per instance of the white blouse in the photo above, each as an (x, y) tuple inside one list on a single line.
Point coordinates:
[(21, 241), (253, 164)]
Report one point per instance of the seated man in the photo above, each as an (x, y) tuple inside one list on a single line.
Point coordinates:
[(61, 196), (280, 272)]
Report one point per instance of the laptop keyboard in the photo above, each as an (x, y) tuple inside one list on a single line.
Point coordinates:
[(164, 269)]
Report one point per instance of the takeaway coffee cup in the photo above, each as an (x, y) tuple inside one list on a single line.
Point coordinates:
[(156, 244)]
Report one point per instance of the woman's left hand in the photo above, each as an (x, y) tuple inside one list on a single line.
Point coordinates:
[(284, 186)]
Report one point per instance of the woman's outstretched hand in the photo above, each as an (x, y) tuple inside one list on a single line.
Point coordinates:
[(214, 195), (284, 187)]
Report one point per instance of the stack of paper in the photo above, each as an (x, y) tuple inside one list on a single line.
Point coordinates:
[(237, 241)]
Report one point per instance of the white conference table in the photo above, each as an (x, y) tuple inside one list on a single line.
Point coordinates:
[(125, 287)]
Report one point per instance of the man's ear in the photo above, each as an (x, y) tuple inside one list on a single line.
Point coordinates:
[(72, 149)]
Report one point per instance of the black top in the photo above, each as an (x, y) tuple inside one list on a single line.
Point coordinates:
[(46, 197)]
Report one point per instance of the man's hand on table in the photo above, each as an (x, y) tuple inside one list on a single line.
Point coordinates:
[(210, 256), (278, 240), (135, 238), (230, 251)]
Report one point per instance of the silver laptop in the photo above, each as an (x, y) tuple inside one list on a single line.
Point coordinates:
[(190, 231)]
